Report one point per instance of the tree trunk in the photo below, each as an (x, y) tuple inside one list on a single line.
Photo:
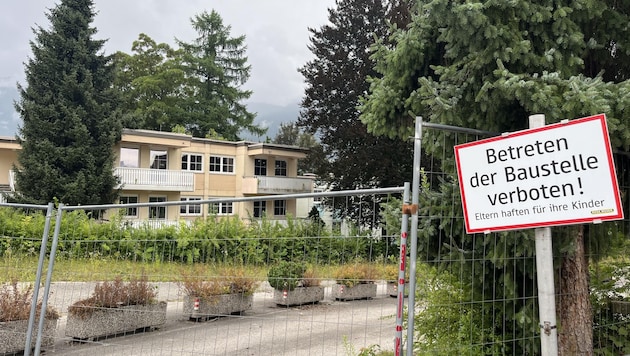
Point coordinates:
[(575, 333)]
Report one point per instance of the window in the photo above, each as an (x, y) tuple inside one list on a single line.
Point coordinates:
[(159, 160), (260, 208), (220, 164), (190, 209), (260, 167), (281, 168), (192, 162), (279, 207), (129, 157), (221, 208), (129, 212), (157, 212)]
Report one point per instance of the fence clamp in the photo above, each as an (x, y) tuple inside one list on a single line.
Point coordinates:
[(547, 327), (409, 209)]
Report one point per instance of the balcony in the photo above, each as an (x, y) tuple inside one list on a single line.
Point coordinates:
[(276, 185), (155, 179)]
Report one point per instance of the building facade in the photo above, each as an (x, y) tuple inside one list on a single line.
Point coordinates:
[(156, 166), (9, 148)]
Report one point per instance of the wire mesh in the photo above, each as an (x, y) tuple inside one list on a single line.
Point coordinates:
[(165, 282), (476, 294)]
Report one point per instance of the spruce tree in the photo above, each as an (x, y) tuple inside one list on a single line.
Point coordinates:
[(69, 113), (488, 65)]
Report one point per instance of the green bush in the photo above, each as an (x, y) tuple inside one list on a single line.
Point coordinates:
[(446, 322), (286, 275), (210, 240)]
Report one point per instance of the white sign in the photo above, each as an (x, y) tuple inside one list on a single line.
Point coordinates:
[(558, 174)]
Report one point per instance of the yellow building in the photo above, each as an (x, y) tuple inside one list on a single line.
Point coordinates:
[(8, 156), (158, 166)]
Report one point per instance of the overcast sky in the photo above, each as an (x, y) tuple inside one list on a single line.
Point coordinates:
[(276, 36)]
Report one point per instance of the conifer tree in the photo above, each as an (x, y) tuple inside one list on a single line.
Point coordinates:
[(335, 80), (488, 65), (69, 113), (215, 66)]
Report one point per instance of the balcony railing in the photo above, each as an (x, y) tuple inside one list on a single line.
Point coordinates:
[(276, 185), (155, 179)]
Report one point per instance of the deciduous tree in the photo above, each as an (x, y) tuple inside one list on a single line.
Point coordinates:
[(151, 81), (196, 86)]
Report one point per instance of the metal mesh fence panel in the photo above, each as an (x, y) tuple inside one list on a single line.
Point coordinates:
[(322, 284), (477, 294), (23, 248), (225, 285)]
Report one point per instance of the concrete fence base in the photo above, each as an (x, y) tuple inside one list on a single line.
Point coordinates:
[(104, 322), (299, 296), (13, 335)]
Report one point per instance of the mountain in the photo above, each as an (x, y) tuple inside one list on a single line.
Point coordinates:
[(8, 117), (270, 116)]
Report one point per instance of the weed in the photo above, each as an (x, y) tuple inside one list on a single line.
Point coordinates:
[(15, 304), (115, 294), (226, 281)]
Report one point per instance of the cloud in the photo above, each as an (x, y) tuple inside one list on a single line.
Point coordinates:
[(276, 35)]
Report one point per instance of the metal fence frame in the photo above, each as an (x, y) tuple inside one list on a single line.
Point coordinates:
[(408, 255), (67, 208)]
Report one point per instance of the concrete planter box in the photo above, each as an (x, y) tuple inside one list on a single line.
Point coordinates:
[(299, 296), (216, 306), (104, 322), (392, 289), (358, 291), (13, 335)]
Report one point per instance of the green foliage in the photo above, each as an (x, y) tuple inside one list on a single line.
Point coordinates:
[(286, 275), (488, 65), (195, 87), (227, 240), (25, 229), (446, 322), (69, 112), (349, 157), (150, 80)]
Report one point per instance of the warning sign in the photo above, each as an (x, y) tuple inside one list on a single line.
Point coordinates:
[(558, 174)]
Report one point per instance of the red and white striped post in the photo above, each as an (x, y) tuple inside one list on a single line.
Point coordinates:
[(407, 210)]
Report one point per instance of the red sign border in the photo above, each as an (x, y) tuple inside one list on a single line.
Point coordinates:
[(611, 166)]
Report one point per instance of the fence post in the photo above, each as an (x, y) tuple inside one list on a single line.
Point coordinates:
[(413, 252), (51, 265), (544, 276), (406, 211), (38, 276)]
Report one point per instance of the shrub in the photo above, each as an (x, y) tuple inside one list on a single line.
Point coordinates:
[(356, 273), (226, 281), (15, 304), (287, 275), (115, 294), (310, 278)]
